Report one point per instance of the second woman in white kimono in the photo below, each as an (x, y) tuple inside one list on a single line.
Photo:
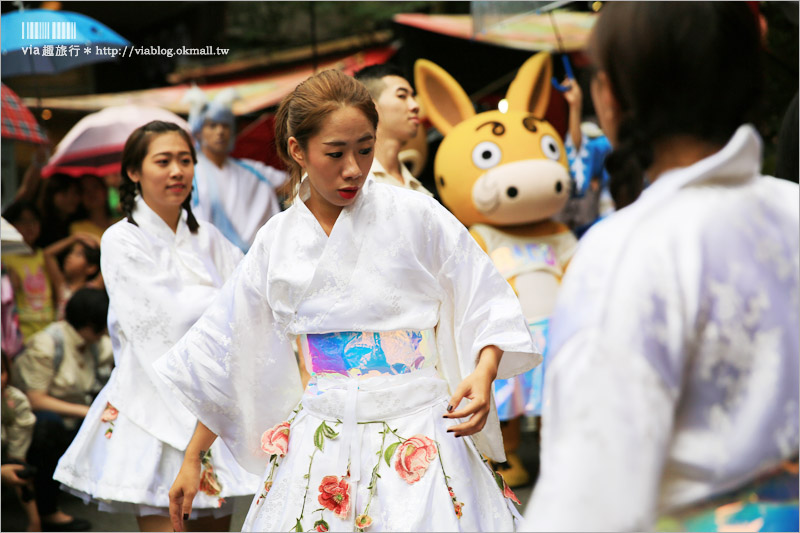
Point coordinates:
[(400, 316), (161, 270)]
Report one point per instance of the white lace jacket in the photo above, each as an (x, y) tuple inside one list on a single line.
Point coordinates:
[(675, 348)]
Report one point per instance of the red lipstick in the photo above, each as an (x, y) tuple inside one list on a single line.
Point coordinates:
[(348, 193)]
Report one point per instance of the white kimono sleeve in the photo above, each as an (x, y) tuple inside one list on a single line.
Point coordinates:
[(480, 309), (233, 370)]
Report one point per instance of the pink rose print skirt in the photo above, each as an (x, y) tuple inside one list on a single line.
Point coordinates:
[(367, 448)]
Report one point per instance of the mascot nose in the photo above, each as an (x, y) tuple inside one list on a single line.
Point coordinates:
[(512, 192)]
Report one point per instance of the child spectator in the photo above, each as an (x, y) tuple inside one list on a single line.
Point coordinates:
[(33, 291), (71, 264), (61, 370)]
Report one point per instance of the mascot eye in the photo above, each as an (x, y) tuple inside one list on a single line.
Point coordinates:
[(486, 155), (550, 148)]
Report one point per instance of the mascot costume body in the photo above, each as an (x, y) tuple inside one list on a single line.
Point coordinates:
[(504, 175)]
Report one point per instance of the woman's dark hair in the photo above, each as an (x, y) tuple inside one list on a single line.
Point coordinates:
[(676, 68), (87, 307), (302, 112), (82, 212), (13, 212), (132, 156)]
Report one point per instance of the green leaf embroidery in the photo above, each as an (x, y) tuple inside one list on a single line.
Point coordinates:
[(328, 431), (319, 437), (499, 480), (389, 452), (299, 526)]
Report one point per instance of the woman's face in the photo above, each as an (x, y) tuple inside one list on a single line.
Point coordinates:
[(94, 194), (68, 200), (338, 158), (166, 174)]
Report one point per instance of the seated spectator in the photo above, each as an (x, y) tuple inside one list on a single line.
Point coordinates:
[(33, 291), (72, 263), (94, 214), (61, 370), (17, 432)]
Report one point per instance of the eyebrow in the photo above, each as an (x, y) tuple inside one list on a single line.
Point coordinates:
[(187, 152), (342, 143)]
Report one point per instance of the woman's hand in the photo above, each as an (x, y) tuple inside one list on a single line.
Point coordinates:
[(183, 492), (477, 387)]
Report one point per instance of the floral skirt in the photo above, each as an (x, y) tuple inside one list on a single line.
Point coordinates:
[(121, 467), (374, 454)]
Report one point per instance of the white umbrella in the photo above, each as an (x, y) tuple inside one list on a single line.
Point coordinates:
[(10, 239), (94, 144)]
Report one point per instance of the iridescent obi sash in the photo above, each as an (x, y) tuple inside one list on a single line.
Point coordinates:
[(768, 503), (367, 354), (359, 377)]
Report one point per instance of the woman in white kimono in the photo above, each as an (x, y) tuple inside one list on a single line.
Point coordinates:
[(672, 397), (399, 315), (161, 270)]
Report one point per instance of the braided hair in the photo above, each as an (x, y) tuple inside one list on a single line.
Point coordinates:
[(133, 154), (676, 69)]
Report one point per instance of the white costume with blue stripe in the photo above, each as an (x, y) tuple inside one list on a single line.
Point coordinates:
[(237, 198)]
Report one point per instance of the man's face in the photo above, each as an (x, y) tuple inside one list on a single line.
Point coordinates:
[(215, 137), (398, 110)]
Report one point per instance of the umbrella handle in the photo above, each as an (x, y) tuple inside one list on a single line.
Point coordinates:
[(568, 70)]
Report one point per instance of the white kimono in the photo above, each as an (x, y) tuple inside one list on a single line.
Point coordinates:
[(237, 198), (394, 260), (674, 375), (159, 283)]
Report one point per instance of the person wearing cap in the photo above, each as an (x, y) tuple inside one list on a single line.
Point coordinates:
[(235, 195), (398, 123)]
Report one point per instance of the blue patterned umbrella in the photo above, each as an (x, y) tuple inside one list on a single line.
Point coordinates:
[(41, 41)]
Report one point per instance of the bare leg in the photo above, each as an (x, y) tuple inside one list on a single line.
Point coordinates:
[(31, 511), (154, 523), (209, 523)]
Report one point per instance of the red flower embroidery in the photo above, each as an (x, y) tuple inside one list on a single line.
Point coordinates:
[(334, 494), (458, 506), (275, 441), (363, 521), (413, 457), (208, 481), (320, 525), (508, 493), (110, 413)]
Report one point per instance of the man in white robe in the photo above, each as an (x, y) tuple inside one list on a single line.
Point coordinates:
[(236, 195)]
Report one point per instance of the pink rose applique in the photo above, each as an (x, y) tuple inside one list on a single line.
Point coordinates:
[(334, 494), (110, 413), (275, 441), (413, 457)]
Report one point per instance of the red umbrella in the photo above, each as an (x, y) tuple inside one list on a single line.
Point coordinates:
[(18, 122), (94, 144)]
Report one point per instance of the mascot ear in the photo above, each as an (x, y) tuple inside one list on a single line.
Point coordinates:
[(445, 101), (530, 90)]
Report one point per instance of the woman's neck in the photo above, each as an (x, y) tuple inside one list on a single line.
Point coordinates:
[(325, 212), (678, 152), (170, 216)]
